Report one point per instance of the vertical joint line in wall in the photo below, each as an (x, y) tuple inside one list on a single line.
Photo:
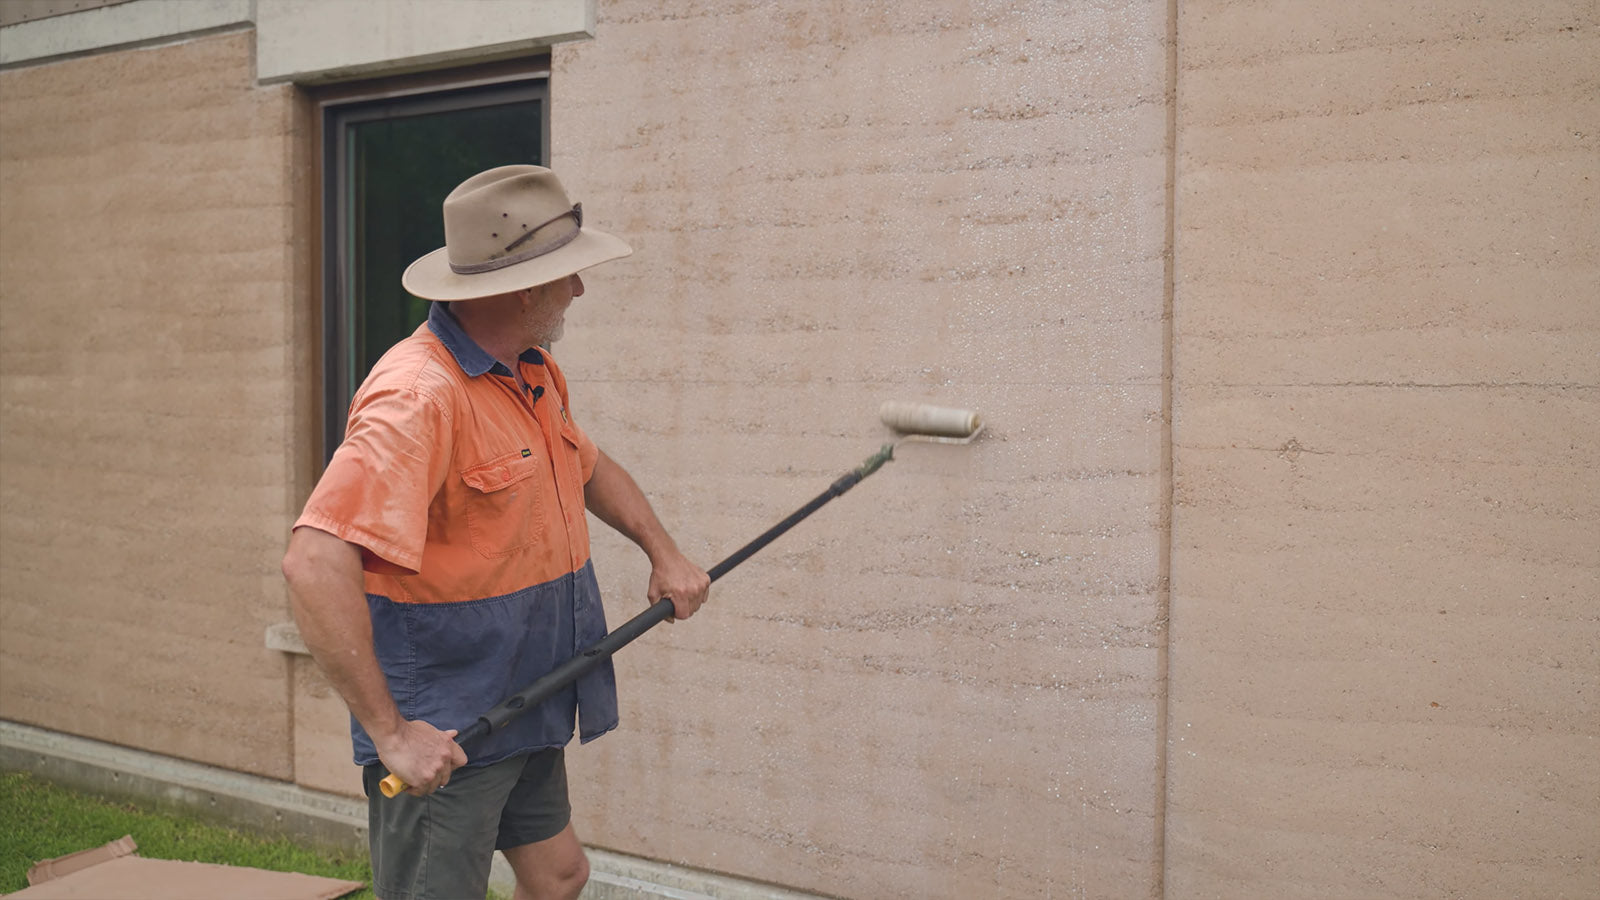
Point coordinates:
[(290, 729), (1164, 598)]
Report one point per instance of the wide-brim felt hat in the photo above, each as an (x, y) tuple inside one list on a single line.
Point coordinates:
[(506, 229)]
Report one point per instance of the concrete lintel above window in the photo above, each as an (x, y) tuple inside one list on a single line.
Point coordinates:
[(310, 41), (137, 23), (314, 41)]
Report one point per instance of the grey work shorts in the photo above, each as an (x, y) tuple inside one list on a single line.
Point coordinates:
[(439, 847)]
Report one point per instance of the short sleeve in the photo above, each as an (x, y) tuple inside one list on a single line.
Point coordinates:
[(377, 488)]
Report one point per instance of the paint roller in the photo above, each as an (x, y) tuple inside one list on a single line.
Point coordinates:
[(939, 423), (911, 421)]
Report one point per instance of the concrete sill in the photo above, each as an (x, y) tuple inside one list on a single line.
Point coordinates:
[(285, 636)]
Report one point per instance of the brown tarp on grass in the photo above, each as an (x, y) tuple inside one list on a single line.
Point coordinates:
[(114, 872)]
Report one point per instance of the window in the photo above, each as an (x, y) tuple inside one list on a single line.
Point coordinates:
[(388, 163)]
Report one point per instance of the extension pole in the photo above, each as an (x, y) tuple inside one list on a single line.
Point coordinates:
[(573, 669)]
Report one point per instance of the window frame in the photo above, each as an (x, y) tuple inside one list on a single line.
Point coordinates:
[(335, 109)]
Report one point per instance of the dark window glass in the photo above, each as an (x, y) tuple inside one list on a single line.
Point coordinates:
[(389, 165)]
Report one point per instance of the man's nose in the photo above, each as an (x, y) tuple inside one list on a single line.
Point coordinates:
[(577, 285)]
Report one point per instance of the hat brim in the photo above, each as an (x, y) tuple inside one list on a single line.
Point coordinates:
[(431, 277)]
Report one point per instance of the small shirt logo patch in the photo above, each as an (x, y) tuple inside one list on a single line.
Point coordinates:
[(526, 453)]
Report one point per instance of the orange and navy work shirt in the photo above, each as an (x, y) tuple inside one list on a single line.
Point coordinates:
[(465, 493)]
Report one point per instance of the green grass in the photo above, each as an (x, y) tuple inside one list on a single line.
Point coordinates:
[(42, 820)]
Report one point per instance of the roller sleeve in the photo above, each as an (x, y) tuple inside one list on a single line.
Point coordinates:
[(935, 421)]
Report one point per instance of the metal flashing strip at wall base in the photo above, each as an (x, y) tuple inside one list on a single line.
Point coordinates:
[(263, 804)]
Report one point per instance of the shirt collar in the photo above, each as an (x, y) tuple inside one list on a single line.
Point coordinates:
[(473, 359)]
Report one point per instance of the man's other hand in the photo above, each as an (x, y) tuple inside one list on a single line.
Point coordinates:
[(673, 575), (421, 755)]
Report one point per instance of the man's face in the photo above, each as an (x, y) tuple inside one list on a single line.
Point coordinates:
[(546, 318)]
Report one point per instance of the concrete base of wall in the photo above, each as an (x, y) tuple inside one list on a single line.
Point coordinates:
[(277, 808), (219, 795)]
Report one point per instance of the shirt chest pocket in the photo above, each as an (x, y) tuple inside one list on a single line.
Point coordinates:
[(505, 502)]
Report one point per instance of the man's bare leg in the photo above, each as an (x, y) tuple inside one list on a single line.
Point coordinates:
[(551, 869)]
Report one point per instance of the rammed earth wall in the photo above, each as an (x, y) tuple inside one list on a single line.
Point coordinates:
[(1276, 572), (153, 301)]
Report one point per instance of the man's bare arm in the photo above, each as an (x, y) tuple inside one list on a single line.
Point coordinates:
[(330, 607), (615, 498)]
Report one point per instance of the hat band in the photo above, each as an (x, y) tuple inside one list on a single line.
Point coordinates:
[(576, 212)]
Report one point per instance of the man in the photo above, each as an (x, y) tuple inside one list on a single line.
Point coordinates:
[(442, 562)]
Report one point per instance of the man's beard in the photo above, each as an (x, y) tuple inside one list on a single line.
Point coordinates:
[(548, 333)]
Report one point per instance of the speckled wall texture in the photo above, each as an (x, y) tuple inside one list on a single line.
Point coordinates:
[(148, 446), (948, 683)]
